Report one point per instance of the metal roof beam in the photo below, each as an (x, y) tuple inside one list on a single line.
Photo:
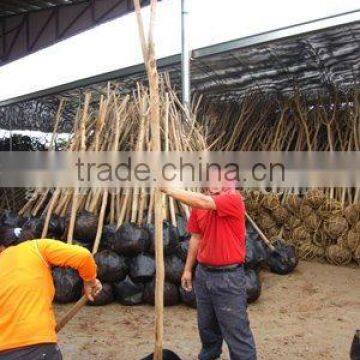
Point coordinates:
[(286, 32), (11, 9), (117, 74), (201, 52)]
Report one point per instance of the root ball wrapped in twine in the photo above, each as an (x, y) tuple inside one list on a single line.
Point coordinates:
[(270, 202), (252, 204), (356, 227), (287, 236), (254, 196), (352, 213), (330, 207), (293, 202), (305, 211), (356, 255), (308, 251), (280, 215), (321, 239), (265, 220), (338, 255), (335, 226), (353, 240), (301, 235), (312, 221), (293, 222), (314, 198), (342, 240), (273, 233)]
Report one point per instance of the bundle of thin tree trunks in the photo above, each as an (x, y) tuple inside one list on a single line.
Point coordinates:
[(119, 123), (319, 229), (321, 223), (326, 122)]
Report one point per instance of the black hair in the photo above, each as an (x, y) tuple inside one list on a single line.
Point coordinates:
[(8, 237)]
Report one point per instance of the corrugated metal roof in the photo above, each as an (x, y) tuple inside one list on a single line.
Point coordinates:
[(312, 63)]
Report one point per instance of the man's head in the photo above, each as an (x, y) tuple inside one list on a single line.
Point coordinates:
[(220, 182)]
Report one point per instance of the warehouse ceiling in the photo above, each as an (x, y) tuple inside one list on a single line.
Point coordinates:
[(17, 7), (312, 63), (27, 26)]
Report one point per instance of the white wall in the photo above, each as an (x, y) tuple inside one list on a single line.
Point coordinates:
[(115, 45)]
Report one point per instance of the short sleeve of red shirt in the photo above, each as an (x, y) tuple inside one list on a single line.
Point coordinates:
[(229, 205), (192, 225)]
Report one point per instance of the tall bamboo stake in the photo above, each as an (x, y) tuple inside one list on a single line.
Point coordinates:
[(148, 50)]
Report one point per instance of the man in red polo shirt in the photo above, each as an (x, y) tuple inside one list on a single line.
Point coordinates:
[(217, 225)]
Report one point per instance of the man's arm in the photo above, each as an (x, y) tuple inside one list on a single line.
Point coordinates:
[(61, 254), (186, 279), (193, 199)]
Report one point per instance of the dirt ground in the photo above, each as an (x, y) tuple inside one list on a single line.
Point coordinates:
[(311, 314)]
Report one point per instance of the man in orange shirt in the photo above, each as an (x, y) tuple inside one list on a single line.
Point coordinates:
[(27, 321)]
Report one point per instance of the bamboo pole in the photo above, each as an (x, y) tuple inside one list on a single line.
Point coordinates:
[(49, 212), (148, 50)]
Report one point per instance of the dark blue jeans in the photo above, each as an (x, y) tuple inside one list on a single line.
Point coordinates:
[(222, 315), (34, 352)]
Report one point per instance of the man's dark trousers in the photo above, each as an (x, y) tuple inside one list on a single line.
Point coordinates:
[(222, 315), (33, 352)]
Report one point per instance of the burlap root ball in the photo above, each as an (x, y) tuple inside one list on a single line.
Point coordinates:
[(335, 226), (321, 239), (287, 235), (293, 222), (280, 214), (305, 211), (308, 251), (270, 202), (301, 235), (253, 202), (356, 227), (273, 233), (312, 221), (251, 206), (352, 213), (292, 202), (265, 220), (343, 240), (356, 255), (314, 198), (353, 240), (338, 255), (330, 207)]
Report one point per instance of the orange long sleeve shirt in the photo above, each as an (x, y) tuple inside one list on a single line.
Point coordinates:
[(27, 289)]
